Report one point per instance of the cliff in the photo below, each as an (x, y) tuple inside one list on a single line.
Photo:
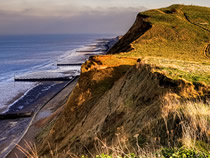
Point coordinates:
[(151, 91)]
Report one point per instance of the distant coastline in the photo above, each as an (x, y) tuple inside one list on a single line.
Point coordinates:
[(43, 93), (23, 54)]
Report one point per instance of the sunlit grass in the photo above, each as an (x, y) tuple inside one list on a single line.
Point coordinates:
[(173, 44)]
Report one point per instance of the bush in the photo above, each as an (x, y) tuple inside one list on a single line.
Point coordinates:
[(183, 153), (131, 155)]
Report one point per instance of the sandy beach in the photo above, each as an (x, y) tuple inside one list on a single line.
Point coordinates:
[(14, 129), (49, 111), (46, 101)]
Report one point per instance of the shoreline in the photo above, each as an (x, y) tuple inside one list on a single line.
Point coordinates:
[(32, 128), (36, 82), (42, 102), (15, 129), (12, 92)]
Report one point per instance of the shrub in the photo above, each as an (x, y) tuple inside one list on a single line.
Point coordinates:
[(183, 153)]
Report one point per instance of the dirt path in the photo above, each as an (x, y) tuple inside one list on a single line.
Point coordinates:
[(187, 18), (160, 11), (207, 48)]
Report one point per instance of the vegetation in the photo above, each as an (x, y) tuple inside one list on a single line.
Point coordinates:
[(174, 38), (183, 153), (156, 107), (116, 152)]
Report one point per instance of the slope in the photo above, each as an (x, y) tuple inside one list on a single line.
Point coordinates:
[(159, 100)]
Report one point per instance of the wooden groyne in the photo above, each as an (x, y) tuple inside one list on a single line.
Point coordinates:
[(33, 116), (7, 116), (36, 77), (66, 64), (42, 79)]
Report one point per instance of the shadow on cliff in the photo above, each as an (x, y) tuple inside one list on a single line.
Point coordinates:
[(123, 102), (139, 27)]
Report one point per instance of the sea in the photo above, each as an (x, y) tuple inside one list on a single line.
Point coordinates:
[(22, 54)]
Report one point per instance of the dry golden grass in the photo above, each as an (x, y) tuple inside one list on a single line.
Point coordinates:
[(107, 61), (194, 122), (194, 118), (172, 46), (29, 150), (119, 150)]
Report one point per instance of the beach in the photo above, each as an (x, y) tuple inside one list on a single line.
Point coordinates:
[(44, 116), (45, 100)]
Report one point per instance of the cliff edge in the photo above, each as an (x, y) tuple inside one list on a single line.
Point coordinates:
[(150, 92)]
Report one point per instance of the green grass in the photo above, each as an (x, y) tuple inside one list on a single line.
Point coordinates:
[(164, 153), (193, 77), (173, 38), (183, 153), (196, 15)]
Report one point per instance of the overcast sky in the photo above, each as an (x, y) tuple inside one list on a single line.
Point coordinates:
[(76, 16)]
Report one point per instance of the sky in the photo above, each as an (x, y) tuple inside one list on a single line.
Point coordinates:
[(76, 16)]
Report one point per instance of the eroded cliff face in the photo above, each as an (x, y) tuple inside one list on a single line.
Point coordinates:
[(118, 100), (139, 27), (117, 103)]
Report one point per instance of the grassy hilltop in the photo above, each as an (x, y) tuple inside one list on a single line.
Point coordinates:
[(158, 106), (176, 39)]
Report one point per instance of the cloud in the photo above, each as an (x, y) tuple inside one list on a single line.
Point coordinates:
[(62, 7), (88, 20), (66, 16), (74, 16)]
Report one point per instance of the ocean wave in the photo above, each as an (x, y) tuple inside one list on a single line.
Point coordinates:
[(39, 65), (11, 92)]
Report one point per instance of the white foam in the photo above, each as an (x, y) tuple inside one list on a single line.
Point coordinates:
[(10, 90), (42, 74)]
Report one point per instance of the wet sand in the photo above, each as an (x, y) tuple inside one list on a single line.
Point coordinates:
[(13, 129), (52, 108), (46, 100)]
